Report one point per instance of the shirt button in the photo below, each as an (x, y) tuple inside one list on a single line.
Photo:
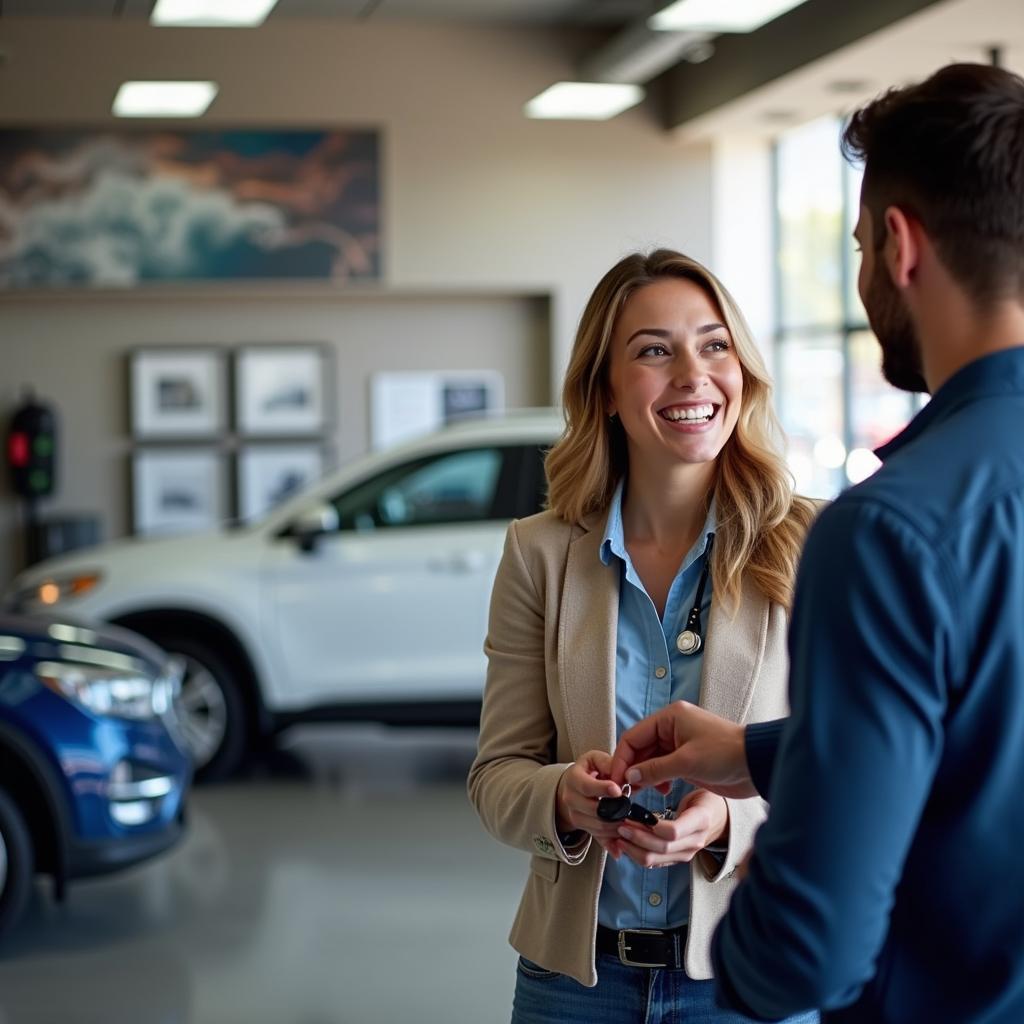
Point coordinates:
[(654, 899), (660, 672)]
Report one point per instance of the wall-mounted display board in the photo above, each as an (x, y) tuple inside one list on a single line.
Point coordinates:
[(403, 405)]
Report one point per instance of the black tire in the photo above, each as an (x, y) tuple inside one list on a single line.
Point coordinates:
[(16, 864), (210, 683)]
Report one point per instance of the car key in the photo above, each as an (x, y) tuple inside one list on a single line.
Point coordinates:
[(614, 808), (621, 808)]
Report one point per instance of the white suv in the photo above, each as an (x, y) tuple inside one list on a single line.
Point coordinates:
[(365, 597)]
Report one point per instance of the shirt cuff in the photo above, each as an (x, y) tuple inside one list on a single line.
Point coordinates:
[(761, 741)]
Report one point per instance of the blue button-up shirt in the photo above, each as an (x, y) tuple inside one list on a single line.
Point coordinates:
[(889, 877), (649, 674)]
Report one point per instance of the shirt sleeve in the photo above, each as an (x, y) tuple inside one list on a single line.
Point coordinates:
[(761, 742), (871, 654)]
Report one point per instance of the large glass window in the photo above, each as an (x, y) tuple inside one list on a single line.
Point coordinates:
[(834, 404)]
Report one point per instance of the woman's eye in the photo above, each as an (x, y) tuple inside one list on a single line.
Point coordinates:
[(654, 350), (718, 345)]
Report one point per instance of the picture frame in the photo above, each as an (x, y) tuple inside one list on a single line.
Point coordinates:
[(281, 390), (177, 490), (277, 204), (177, 393), (270, 474), (405, 405)]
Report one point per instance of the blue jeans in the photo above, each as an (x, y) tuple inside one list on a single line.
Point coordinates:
[(624, 995)]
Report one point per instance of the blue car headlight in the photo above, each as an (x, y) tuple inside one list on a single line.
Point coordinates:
[(123, 692)]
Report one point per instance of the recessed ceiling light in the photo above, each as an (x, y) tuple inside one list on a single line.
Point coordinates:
[(164, 99), (584, 101), (211, 12), (716, 16)]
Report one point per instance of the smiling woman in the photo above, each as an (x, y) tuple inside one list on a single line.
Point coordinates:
[(662, 571)]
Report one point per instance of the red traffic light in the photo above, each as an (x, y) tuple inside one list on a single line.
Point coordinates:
[(18, 450)]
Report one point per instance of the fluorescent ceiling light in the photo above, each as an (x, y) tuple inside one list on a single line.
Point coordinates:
[(719, 16), (211, 12), (164, 99), (584, 101)]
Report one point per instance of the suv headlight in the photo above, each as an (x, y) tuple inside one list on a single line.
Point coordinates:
[(126, 692), (48, 592)]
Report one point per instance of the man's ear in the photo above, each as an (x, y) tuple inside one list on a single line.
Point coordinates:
[(902, 247)]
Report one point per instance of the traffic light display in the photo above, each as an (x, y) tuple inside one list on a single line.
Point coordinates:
[(32, 450)]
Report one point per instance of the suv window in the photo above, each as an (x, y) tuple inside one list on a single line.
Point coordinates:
[(455, 487), (533, 488)]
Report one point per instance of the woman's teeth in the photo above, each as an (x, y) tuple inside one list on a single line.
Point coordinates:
[(690, 413)]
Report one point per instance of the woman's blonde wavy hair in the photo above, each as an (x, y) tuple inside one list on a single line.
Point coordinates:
[(761, 522)]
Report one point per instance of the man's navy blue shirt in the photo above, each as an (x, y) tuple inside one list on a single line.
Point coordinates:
[(887, 885)]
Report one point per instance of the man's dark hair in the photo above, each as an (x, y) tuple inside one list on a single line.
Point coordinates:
[(950, 152)]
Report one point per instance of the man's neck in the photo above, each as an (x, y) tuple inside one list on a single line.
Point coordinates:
[(955, 333)]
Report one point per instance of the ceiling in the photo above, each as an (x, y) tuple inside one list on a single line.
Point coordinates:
[(824, 56), (536, 13)]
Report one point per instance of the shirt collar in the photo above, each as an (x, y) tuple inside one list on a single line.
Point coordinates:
[(1000, 373), (614, 540)]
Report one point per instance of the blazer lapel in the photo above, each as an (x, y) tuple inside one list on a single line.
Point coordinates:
[(586, 643), (734, 654)]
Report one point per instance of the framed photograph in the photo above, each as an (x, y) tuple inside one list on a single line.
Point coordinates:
[(177, 393), (404, 405), (177, 490), (270, 474), (280, 390)]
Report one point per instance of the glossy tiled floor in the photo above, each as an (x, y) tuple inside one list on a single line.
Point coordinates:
[(346, 882)]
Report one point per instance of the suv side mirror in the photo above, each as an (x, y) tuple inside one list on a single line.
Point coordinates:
[(314, 522)]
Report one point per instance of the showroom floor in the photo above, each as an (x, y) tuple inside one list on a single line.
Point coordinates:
[(346, 882)]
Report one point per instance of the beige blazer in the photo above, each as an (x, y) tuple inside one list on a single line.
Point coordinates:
[(550, 697)]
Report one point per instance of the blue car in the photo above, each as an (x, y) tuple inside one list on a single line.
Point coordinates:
[(93, 772)]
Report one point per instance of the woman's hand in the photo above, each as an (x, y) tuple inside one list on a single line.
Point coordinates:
[(702, 818), (579, 789)]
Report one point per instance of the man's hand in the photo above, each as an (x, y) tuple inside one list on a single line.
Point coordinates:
[(702, 818), (684, 741)]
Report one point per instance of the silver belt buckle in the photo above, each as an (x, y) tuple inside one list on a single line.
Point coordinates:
[(624, 949)]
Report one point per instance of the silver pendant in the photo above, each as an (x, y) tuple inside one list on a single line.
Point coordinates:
[(688, 642)]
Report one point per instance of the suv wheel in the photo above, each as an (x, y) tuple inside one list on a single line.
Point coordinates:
[(16, 867), (210, 709)]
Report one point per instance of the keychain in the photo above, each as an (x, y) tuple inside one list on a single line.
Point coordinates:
[(621, 808)]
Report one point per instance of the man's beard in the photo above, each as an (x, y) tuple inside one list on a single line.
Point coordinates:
[(889, 319)]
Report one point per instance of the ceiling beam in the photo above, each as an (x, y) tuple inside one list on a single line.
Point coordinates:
[(743, 63)]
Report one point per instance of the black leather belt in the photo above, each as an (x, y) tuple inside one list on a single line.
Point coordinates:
[(644, 947)]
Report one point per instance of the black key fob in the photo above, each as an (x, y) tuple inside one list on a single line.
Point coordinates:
[(642, 815), (614, 808)]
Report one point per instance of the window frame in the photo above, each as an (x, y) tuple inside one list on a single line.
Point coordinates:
[(852, 320)]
